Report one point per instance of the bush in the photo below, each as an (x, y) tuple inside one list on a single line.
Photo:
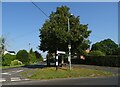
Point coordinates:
[(111, 60), (103, 60), (96, 53), (15, 62), (7, 58), (32, 58), (39, 57), (23, 56)]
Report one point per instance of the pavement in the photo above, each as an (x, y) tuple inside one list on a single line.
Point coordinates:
[(13, 76)]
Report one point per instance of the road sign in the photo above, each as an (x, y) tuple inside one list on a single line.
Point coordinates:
[(60, 52)]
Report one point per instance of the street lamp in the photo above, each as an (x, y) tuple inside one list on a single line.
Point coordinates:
[(69, 44)]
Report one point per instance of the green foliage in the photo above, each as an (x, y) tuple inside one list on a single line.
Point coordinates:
[(103, 60), (38, 56), (107, 46), (31, 51), (32, 56), (117, 52), (54, 33), (96, 53), (109, 60), (23, 56), (7, 58), (15, 62)]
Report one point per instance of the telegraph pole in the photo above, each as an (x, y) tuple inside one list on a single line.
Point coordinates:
[(69, 46)]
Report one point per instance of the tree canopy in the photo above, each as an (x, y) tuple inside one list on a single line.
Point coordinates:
[(23, 56), (107, 46), (54, 33)]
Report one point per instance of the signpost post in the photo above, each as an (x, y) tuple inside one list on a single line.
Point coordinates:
[(69, 57)]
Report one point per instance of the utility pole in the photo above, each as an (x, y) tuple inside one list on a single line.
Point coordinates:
[(69, 46)]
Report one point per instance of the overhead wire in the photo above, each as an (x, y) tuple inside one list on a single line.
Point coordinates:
[(40, 9)]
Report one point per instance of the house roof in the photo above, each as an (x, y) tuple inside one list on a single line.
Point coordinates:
[(11, 51)]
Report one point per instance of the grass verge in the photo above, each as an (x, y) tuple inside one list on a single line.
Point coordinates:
[(51, 73)]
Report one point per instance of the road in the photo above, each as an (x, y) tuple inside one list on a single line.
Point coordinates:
[(13, 77), (73, 81)]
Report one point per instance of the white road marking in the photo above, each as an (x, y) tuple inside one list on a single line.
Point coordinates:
[(2, 79), (12, 79), (12, 72), (7, 73), (19, 71), (15, 79), (25, 79)]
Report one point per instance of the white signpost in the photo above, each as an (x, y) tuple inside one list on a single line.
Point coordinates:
[(58, 52), (69, 57)]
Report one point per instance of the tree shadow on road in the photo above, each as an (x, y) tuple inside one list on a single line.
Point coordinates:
[(34, 66), (37, 66)]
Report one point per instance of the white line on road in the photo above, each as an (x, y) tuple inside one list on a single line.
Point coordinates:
[(12, 79), (12, 72), (2, 79), (24, 79), (17, 71), (15, 79), (7, 73)]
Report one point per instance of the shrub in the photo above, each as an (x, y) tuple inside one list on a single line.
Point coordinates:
[(32, 58), (38, 56), (111, 60), (23, 56), (103, 60), (15, 62), (7, 58), (96, 53)]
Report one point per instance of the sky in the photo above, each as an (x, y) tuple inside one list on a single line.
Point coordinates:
[(21, 21)]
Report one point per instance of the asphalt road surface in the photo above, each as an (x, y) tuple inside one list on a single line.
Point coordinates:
[(13, 77), (73, 81)]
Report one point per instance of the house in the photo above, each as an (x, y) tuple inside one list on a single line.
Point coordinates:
[(88, 50), (9, 52)]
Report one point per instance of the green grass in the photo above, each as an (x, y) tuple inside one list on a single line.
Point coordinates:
[(51, 73), (6, 67)]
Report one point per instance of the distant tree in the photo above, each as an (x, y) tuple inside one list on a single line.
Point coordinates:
[(107, 46), (117, 52), (38, 56), (96, 53), (31, 51), (23, 56), (54, 33), (32, 56)]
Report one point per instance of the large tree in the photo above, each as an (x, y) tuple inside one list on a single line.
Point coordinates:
[(54, 33), (107, 46)]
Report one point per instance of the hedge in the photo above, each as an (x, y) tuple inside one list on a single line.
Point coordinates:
[(112, 61)]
